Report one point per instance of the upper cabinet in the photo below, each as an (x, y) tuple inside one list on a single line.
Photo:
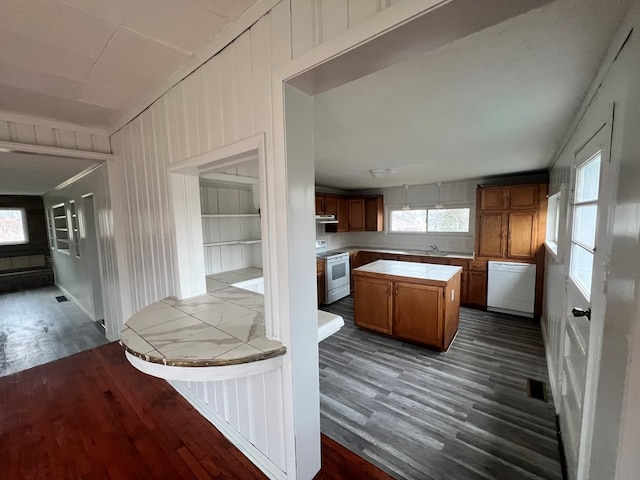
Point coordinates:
[(354, 214), (510, 221), (517, 197), (374, 213), (326, 204)]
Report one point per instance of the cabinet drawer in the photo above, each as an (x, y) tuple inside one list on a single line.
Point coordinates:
[(478, 266)]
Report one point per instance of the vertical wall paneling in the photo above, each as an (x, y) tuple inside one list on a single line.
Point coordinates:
[(280, 34), (334, 15), (302, 31), (228, 92), (243, 83), (73, 274), (33, 131), (213, 103), (25, 132), (233, 414), (360, 10)]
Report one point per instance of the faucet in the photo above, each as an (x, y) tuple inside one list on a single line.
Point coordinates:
[(434, 248)]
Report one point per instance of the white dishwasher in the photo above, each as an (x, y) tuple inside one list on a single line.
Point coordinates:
[(511, 288)]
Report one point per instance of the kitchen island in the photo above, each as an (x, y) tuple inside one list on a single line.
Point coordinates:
[(419, 302)]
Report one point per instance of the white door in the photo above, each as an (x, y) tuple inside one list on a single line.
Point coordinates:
[(587, 252)]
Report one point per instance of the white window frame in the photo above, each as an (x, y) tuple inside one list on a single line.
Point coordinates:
[(63, 245), (556, 229), (472, 218), (25, 227)]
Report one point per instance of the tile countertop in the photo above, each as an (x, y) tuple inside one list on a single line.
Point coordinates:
[(425, 271), (223, 327), (461, 255)]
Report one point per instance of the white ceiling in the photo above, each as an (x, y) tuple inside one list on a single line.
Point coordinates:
[(87, 61), (28, 174), (495, 102)]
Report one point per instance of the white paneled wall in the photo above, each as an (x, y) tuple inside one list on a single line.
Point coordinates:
[(14, 128), (249, 410), (229, 201), (70, 271), (316, 21), (227, 99)]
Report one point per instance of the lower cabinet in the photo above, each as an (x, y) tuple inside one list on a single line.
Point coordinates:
[(417, 312), (411, 310), (477, 284), (373, 304)]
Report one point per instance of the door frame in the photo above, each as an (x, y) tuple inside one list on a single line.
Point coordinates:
[(602, 141)]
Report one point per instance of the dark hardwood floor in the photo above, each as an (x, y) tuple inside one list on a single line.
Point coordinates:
[(93, 416), (462, 414)]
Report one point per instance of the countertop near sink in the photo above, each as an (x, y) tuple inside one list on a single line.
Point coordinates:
[(425, 253)]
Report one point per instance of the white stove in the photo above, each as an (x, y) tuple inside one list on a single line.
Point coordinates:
[(338, 273)]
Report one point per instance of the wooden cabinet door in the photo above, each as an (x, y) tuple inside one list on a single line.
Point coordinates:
[(435, 260), (321, 281), (523, 197), (417, 312), (390, 256), (343, 215), (331, 205), (373, 303), (491, 235), (320, 204), (356, 214), (492, 199), (374, 214), (366, 257), (410, 258), (477, 292), (522, 236)]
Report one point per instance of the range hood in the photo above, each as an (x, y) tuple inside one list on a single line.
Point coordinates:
[(326, 219)]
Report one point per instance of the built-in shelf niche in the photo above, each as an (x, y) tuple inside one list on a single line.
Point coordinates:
[(230, 220)]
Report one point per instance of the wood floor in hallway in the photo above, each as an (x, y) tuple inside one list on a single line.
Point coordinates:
[(35, 328), (93, 416), (462, 414)]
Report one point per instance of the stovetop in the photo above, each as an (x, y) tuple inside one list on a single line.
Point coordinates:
[(329, 254)]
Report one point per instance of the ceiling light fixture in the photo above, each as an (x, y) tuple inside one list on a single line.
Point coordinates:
[(406, 198), (379, 172)]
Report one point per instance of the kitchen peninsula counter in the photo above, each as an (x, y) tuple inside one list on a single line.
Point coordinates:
[(419, 302), (217, 335)]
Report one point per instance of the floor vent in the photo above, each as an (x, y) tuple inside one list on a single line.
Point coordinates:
[(62, 298), (536, 389)]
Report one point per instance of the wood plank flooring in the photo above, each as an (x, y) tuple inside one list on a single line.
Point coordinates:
[(462, 414), (36, 329), (93, 416)]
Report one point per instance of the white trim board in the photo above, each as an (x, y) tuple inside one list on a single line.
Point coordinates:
[(55, 151), (48, 123)]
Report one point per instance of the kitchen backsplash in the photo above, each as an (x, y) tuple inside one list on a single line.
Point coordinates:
[(453, 194), (400, 242)]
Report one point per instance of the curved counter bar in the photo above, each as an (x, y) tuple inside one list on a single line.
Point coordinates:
[(216, 336), (212, 332)]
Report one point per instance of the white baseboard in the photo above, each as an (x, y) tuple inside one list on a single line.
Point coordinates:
[(75, 301), (259, 459)]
